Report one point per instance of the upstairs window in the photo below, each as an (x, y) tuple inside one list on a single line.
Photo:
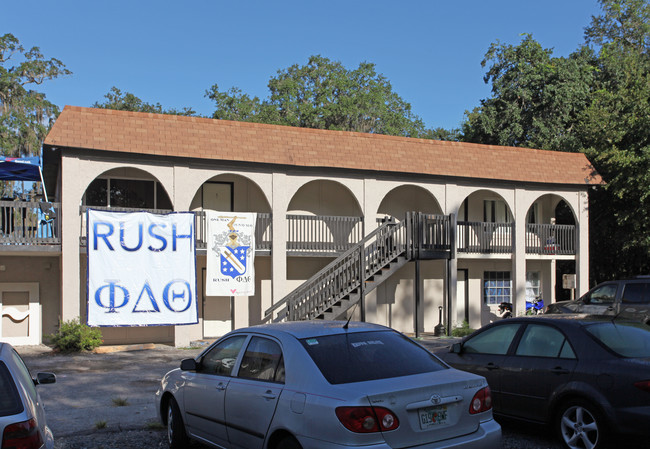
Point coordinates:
[(131, 193), (496, 211)]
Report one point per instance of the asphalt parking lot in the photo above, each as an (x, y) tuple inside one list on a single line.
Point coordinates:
[(107, 400)]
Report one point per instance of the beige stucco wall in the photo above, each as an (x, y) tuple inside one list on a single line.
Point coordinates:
[(43, 270), (321, 191)]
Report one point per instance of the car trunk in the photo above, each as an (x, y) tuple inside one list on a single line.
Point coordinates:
[(430, 407)]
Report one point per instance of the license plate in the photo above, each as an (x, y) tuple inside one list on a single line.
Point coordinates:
[(433, 416)]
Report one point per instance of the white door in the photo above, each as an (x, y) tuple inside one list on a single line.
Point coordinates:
[(20, 313), (217, 196)]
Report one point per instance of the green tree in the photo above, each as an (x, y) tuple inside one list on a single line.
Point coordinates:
[(536, 98), (126, 101), (324, 94), (615, 131), (26, 115), (595, 101)]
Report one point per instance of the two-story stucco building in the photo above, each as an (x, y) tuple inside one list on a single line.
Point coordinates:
[(517, 214)]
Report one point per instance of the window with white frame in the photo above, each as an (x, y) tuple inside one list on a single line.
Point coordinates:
[(496, 211), (497, 287)]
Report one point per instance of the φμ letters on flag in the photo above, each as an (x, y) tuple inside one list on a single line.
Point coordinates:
[(141, 269), (230, 269)]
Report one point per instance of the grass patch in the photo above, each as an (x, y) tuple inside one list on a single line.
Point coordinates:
[(154, 425), (100, 425), (120, 402), (462, 330)]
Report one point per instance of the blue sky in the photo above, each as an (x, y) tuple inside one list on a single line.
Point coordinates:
[(171, 52)]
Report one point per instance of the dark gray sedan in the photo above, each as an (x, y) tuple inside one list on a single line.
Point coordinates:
[(587, 376)]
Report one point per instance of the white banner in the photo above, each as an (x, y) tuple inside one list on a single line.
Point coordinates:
[(141, 269), (230, 240)]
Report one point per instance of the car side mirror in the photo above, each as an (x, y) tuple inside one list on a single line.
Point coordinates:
[(188, 365), (456, 348), (45, 378)]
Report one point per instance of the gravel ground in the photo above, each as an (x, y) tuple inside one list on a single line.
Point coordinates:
[(513, 438), (87, 383)]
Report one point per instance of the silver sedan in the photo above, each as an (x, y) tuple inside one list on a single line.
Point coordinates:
[(22, 417), (324, 385)]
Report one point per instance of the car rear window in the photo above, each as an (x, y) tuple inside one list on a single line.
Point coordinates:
[(362, 356), (625, 339), (10, 403)]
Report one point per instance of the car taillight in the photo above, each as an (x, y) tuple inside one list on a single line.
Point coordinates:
[(643, 385), (22, 435), (367, 419), (482, 401)]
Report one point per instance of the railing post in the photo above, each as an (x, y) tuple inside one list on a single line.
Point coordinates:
[(362, 282), (452, 236)]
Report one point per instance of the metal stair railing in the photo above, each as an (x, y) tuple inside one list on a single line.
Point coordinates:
[(344, 275)]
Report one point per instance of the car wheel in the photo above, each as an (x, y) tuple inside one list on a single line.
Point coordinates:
[(580, 425), (175, 429), (288, 443)]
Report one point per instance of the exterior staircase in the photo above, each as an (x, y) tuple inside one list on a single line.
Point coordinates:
[(339, 286)]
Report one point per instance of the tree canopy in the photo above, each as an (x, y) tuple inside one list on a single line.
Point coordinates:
[(595, 101), (126, 101), (26, 115), (324, 94)]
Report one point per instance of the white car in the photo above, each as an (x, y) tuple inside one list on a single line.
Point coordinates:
[(324, 385), (22, 418)]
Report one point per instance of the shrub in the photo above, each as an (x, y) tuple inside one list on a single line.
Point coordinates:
[(74, 336), (462, 330)]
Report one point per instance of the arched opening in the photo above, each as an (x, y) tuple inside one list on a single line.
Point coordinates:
[(405, 199), (551, 235), (127, 187), (232, 193), (323, 217), (485, 224)]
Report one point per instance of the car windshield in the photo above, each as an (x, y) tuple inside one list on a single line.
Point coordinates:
[(9, 400), (625, 339), (362, 356)]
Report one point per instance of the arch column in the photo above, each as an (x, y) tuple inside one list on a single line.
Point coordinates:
[(582, 245), (279, 206), (71, 295), (520, 211)]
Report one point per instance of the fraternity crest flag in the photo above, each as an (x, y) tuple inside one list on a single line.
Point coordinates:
[(141, 269), (230, 267)]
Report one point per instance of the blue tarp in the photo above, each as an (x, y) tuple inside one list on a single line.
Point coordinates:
[(20, 168)]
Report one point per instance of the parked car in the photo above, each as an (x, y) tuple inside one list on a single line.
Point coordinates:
[(22, 418), (584, 375), (324, 385), (628, 298)]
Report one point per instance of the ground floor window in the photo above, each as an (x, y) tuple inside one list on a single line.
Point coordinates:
[(497, 287)]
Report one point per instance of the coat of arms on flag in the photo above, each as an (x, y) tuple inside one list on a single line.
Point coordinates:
[(234, 256), (231, 251)]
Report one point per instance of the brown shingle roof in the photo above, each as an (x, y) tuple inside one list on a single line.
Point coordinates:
[(193, 137)]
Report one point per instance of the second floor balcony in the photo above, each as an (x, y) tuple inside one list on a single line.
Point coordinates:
[(498, 238), (28, 225), (35, 225)]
